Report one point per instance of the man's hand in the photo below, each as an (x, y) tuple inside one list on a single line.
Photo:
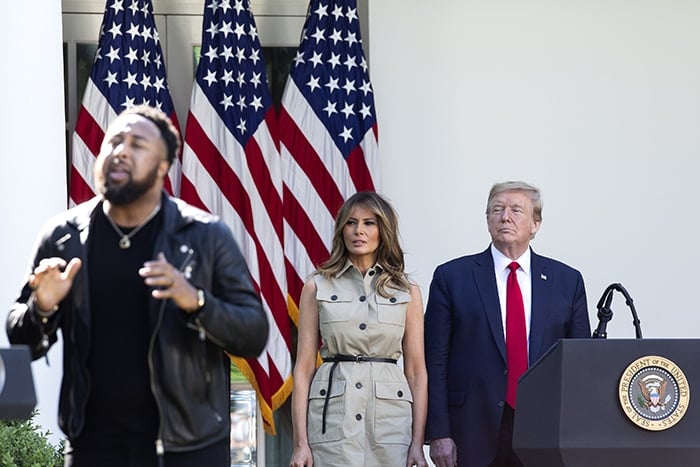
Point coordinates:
[(169, 282), (51, 281), (443, 452)]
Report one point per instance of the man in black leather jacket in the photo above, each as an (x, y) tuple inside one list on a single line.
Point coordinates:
[(149, 293)]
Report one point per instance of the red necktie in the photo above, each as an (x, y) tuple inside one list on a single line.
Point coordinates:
[(516, 338)]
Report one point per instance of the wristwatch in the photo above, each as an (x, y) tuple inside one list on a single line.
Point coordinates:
[(200, 299)]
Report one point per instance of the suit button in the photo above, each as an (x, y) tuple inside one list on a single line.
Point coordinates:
[(363, 326), (505, 372), (501, 403), (358, 417)]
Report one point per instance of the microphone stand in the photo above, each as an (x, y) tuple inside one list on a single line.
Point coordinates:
[(605, 313)]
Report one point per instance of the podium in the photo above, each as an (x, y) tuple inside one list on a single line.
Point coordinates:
[(573, 409), (17, 396)]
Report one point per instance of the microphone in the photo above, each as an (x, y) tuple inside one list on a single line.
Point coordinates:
[(605, 313)]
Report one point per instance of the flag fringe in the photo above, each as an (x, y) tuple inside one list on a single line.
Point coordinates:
[(293, 310)]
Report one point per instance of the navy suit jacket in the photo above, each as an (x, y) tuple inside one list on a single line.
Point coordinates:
[(465, 346)]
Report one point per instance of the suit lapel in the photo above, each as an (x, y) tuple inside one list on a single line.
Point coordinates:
[(541, 292), (488, 290)]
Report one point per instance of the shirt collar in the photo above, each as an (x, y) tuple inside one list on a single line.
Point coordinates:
[(348, 265), (501, 261)]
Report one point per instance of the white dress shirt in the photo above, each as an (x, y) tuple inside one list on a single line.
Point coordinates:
[(500, 263)]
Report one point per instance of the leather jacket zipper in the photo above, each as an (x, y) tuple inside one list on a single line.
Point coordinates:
[(159, 445), (160, 449)]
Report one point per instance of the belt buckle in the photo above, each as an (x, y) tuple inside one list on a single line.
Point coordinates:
[(359, 358)]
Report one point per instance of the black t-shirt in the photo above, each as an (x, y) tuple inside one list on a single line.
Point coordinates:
[(121, 409)]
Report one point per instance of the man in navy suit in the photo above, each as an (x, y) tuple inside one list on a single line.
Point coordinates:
[(469, 420)]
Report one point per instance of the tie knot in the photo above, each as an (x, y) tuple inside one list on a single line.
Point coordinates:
[(513, 266)]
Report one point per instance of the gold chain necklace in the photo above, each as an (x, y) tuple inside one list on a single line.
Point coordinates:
[(125, 240)]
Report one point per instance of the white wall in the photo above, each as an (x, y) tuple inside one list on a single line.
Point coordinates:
[(32, 182), (596, 102)]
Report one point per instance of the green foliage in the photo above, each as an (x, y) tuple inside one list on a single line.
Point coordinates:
[(236, 375), (23, 444)]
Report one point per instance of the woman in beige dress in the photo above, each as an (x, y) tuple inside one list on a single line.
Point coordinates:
[(360, 407)]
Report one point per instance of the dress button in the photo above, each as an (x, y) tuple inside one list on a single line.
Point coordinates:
[(358, 385), (392, 299), (363, 326), (334, 297), (358, 417), (323, 392), (362, 298), (400, 393)]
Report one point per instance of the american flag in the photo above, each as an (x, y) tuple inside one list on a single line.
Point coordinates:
[(328, 134), (232, 168), (128, 70)]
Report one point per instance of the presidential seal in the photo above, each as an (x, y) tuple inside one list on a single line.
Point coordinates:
[(654, 393)]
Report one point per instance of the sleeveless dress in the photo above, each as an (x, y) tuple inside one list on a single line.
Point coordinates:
[(368, 409)]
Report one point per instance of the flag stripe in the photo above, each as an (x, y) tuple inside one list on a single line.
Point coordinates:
[(296, 145), (359, 172), (231, 166), (321, 141), (235, 205), (188, 191), (87, 126), (298, 220), (80, 187), (225, 174), (240, 199)]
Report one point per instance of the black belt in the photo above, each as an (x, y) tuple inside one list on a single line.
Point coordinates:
[(345, 358)]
